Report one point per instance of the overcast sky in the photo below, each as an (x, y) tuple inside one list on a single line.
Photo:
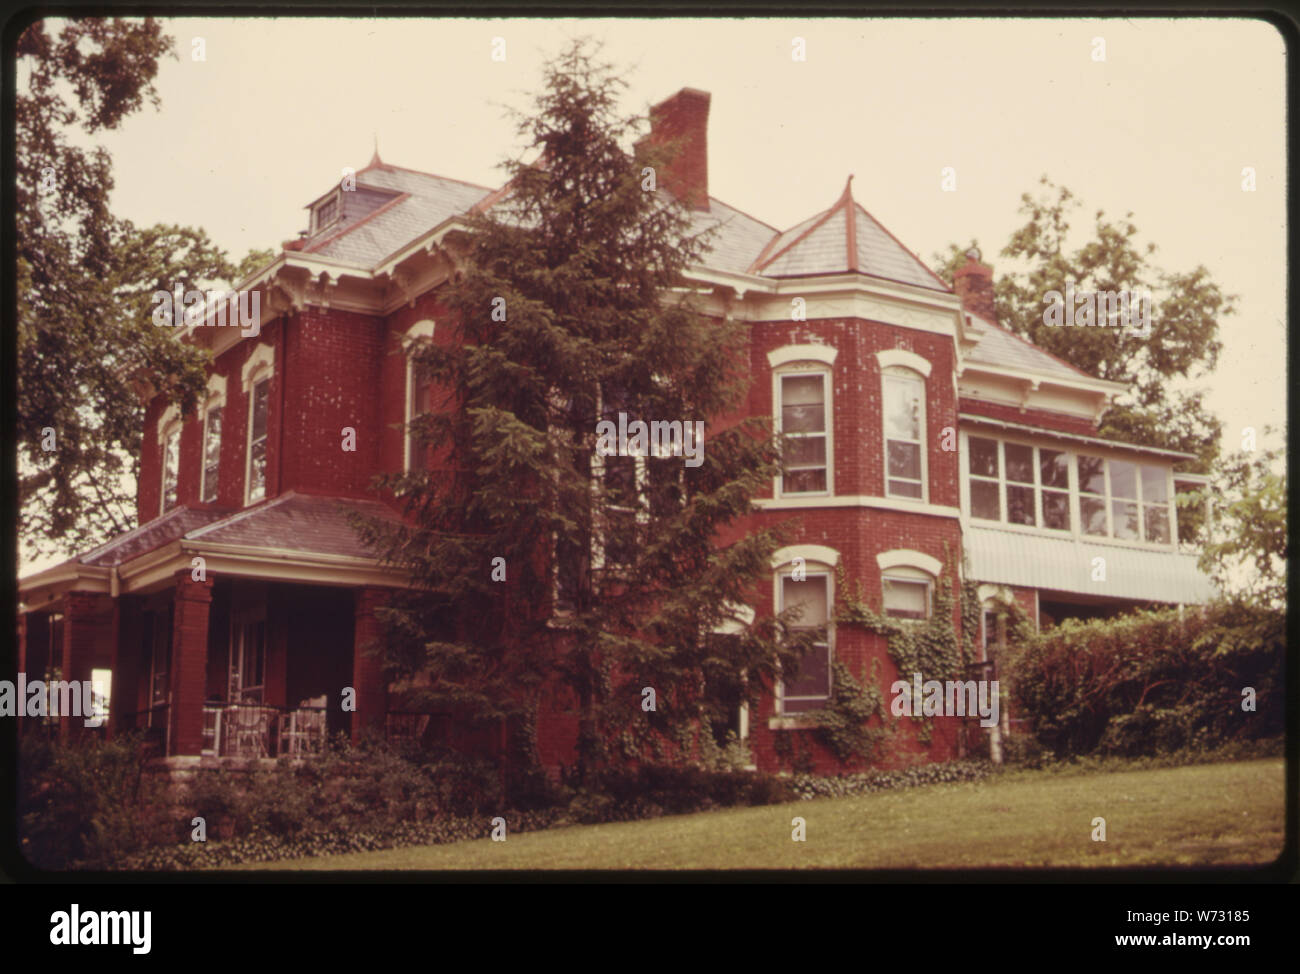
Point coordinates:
[(1162, 127)]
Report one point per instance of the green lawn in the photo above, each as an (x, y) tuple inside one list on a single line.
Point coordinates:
[(1214, 814)]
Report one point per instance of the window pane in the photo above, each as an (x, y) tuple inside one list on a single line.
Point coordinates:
[(1093, 514), (1054, 468), (257, 469), (810, 595), (805, 451), (664, 486), (1157, 523), (804, 481), (904, 488), (906, 599), (620, 481), (1020, 505), (983, 457), (1123, 479), (171, 459), (260, 392), (1056, 510), (1155, 488), (984, 500), (1092, 476), (902, 408), (212, 455), (1020, 463), (905, 460), (803, 404), (1124, 514), (813, 680)]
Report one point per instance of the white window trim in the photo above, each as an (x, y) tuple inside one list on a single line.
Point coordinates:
[(909, 558), (902, 371), (792, 354), (810, 553), (420, 331), (814, 569), (262, 360), (798, 367), (902, 358), (337, 198), (1076, 532)]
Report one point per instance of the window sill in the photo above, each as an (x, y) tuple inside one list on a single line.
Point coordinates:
[(793, 722)]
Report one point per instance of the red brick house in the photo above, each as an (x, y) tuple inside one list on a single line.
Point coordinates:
[(931, 443)]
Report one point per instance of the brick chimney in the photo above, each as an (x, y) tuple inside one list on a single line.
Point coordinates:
[(684, 119), (973, 283)]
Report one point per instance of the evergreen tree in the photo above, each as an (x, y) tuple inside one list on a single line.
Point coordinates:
[(618, 570)]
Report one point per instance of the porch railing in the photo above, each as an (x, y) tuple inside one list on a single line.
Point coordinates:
[(255, 730)]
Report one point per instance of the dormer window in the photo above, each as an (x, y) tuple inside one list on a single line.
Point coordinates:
[(327, 212)]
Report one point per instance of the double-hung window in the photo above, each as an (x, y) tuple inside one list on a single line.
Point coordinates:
[(805, 424), (904, 418), (907, 593), (171, 466), (258, 413), (810, 687)]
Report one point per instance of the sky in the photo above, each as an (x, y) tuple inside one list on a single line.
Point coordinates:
[(1162, 127)]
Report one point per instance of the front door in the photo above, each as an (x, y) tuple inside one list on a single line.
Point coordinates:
[(248, 657)]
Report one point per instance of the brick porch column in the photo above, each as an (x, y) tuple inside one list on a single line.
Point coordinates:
[(87, 640), (367, 664), (189, 664)]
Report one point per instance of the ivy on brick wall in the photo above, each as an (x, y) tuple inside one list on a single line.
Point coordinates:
[(842, 724)]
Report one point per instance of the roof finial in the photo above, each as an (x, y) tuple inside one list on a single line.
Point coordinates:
[(848, 189), (375, 160)]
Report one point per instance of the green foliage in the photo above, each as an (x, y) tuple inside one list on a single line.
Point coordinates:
[(85, 281), (808, 787), (83, 803), (1152, 682), (1246, 552), (1183, 342), (930, 647), (842, 725)]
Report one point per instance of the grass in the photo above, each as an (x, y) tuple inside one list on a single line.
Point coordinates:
[(1215, 814)]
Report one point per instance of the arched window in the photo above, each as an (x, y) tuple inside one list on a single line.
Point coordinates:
[(210, 464), (419, 396), (907, 582), (256, 377), (169, 437), (801, 395)]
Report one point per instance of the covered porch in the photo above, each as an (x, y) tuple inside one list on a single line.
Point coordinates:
[(215, 639)]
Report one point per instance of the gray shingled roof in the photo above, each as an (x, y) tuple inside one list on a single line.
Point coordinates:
[(998, 346), (163, 530), (429, 201), (823, 245), (301, 522)]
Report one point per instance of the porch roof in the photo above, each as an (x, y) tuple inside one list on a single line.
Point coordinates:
[(289, 536)]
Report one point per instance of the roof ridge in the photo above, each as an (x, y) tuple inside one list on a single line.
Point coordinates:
[(422, 172)]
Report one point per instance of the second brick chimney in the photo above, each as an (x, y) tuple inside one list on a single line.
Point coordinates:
[(973, 282), (684, 119)]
